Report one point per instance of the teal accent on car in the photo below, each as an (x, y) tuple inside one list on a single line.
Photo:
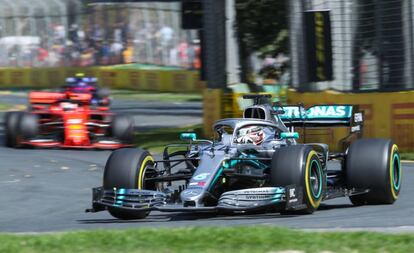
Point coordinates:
[(320, 180), (216, 178), (317, 112), (188, 136), (329, 111), (230, 164), (277, 197), (397, 183), (289, 135)]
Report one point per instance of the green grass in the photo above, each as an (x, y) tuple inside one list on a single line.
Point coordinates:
[(6, 107), (407, 155), (128, 95), (207, 239), (156, 96), (155, 140)]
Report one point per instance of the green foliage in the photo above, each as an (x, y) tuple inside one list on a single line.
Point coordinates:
[(262, 25)]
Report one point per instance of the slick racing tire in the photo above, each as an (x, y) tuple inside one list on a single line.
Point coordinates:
[(128, 168), (10, 128), (374, 165), (299, 165), (28, 125), (122, 128)]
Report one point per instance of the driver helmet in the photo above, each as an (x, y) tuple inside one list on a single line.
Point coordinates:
[(79, 76), (70, 80), (251, 134)]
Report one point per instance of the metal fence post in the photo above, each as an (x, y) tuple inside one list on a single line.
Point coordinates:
[(215, 43)]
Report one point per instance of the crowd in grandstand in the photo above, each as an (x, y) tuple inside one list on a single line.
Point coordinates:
[(95, 45)]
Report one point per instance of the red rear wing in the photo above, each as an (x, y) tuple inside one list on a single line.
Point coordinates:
[(39, 97)]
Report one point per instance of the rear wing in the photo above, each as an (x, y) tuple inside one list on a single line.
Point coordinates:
[(44, 98), (40, 97), (321, 116)]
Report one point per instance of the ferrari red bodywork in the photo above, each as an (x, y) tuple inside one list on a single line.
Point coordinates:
[(67, 120)]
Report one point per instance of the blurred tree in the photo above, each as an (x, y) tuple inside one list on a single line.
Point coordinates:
[(261, 27)]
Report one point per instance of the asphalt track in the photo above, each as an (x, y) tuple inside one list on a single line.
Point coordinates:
[(48, 190)]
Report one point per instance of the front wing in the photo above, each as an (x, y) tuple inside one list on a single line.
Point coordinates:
[(286, 198), (56, 144)]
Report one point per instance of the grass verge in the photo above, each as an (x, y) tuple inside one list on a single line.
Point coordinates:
[(156, 96), (207, 239), (127, 95), (155, 140), (407, 156), (5, 107)]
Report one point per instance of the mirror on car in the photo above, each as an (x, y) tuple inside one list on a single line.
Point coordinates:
[(188, 136), (280, 112), (289, 135)]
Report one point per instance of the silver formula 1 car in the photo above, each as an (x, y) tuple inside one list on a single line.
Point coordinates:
[(255, 163)]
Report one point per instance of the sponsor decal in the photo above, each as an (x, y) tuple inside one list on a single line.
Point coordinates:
[(191, 192), (258, 191), (318, 46), (317, 111), (330, 111), (201, 176), (258, 197), (74, 121), (355, 129), (358, 117), (293, 112), (292, 192), (202, 183)]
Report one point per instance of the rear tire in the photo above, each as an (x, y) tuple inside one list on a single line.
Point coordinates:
[(374, 164), (128, 168), (11, 128), (299, 165)]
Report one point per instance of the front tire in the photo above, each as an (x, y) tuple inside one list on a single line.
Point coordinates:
[(28, 125), (299, 165), (128, 168), (374, 164), (10, 128)]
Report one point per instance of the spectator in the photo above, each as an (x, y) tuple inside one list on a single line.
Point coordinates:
[(150, 37)]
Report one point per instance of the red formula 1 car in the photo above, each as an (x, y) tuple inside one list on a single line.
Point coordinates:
[(67, 120)]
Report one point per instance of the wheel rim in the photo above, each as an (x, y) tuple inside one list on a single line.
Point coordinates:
[(315, 179), (144, 176), (142, 171), (396, 171)]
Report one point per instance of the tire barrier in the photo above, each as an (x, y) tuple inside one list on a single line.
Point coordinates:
[(164, 80)]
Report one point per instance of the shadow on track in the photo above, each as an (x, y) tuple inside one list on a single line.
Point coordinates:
[(174, 217), (325, 207)]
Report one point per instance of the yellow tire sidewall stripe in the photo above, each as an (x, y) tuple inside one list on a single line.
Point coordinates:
[(315, 204), (393, 150), (141, 170)]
